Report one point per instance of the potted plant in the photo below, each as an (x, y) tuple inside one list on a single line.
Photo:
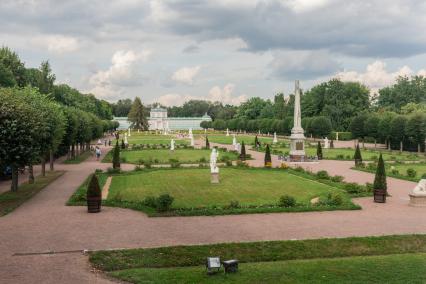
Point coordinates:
[(380, 186), (268, 159), (357, 156), (94, 195)]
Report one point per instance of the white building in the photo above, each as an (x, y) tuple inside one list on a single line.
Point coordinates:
[(158, 120)]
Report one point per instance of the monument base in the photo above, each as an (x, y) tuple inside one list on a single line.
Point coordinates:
[(297, 158), (417, 200), (214, 178)]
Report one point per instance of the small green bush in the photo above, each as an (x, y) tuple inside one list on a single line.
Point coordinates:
[(411, 172), (424, 176), (395, 172), (164, 202), (353, 188), (234, 204), (332, 199), (150, 201), (337, 178), (299, 169), (287, 201), (323, 175)]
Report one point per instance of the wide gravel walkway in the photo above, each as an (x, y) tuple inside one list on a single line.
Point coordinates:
[(44, 224)]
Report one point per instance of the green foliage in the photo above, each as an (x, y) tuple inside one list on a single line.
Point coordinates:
[(268, 159), (243, 152), (207, 143), (320, 126), (323, 175), (287, 201), (116, 157), (93, 189), (137, 115), (357, 156), (164, 203), (319, 151), (411, 172), (380, 178)]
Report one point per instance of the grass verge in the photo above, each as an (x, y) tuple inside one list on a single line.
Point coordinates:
[(78, 159), (9, 201)]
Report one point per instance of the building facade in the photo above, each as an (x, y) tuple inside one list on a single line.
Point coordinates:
[(158, 120)]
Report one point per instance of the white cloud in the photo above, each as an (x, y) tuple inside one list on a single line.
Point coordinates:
[(122, 72), (223, 95), (300, 6), (56, 43), (186, 75), (376, 76)]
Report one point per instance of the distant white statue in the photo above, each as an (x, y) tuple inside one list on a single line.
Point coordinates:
[(420, 188), (259, 132), (192, 141), (129, 133), (238, 148), (227, 132), (275, 138), (213, 161), (234, 140), (337, 136), (326, 143), (172, 145), (190, 133)]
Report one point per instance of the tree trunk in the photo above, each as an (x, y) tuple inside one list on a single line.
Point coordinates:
[(30, 174), (14, 186), (51, 160), (389, 145), (400, 147), (73, 151), (43, 167), (375, 144), (418, 148)]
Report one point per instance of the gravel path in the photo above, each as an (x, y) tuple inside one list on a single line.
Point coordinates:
[(45, 224)]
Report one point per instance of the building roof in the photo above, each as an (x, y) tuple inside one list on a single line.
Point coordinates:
[(159, 109)]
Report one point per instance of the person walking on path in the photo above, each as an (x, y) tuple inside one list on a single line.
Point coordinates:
[(98, 153)]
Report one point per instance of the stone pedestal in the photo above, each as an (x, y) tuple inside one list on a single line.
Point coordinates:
[(417, 200), (214, 178)]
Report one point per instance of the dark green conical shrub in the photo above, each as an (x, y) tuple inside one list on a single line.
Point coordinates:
[(357, 156), (93, 189), (268, 159), (319, 151), (123, 146), (256, 141), (380, 178), (243, 152), (116, 157), (207, 143)]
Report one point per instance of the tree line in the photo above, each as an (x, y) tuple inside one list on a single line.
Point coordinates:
[(39, 120)]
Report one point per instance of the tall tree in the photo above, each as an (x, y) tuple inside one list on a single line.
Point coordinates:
[(137, 115), (46, 78)]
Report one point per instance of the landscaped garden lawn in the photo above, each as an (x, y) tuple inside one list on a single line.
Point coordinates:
[(399, 170), (248, 139), (191, 188), (163, 156), (420, 168), (143, 138), (384, 259), (348, 154)]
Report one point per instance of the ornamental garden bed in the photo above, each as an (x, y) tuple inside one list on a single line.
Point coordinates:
[(406, 171), (240, 191)]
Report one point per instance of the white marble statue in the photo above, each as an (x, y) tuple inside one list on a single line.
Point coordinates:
[(213, 161), (326, 143), (275, 138), (337, 136), (125, 139), (234, 140), (420, 188), (129, 133), (238, 148), (172, 145), (192, 141), (190, 133), (227, 132)]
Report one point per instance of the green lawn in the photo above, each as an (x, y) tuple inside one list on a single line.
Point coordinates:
[(162, 156), (9, 201), (142, 138), (248, 139), (402, 268), (192, 188), (347, 154), (78, 159), (420, 169), (384, 259)]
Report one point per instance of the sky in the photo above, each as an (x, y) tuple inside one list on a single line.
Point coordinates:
[(219, 50)]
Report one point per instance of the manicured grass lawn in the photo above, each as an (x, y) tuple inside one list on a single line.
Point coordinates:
[(192, 188), (9, 201), (248, 139), (385, 259), (141, 138), (347, 154), (162, 156), (78, 159), (403, 268), (402, 168)]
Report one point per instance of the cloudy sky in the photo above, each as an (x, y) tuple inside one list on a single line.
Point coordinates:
[(226, 50)]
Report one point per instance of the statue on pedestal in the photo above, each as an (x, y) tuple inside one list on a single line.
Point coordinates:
[(172, 145), (214, 170), (418, 195)]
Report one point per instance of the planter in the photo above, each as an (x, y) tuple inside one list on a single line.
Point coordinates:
[(380, 195), (94, 204)]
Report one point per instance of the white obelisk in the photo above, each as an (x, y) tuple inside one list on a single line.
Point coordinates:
[(297, 146)]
